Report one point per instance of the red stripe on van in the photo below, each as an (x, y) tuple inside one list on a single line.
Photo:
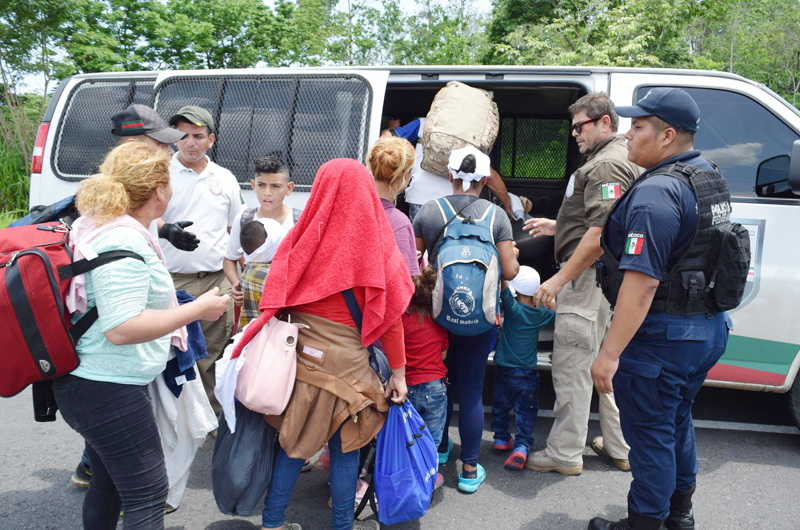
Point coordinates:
[(727, 372)]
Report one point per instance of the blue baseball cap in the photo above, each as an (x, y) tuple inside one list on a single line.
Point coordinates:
[(672, 105)]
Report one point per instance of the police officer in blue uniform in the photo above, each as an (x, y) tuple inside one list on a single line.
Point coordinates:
[(658, 352)]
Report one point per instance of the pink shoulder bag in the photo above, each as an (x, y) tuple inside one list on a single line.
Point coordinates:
[(266, 379)]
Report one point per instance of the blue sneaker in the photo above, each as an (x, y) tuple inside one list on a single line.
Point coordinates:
[(444, 456), (503, 445), (470, 485)]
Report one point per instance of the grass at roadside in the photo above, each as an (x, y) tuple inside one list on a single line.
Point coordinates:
[(14, 180), (7, 217)]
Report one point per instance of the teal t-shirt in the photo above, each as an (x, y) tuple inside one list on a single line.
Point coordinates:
[(519, 339), (122, 290)]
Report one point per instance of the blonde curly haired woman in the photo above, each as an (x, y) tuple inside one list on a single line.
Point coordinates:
[(105, 399)]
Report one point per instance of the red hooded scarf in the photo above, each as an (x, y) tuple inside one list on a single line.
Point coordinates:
[(342, 240)]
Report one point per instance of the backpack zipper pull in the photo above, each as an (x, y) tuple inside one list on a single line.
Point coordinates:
[(10, 262), (355, 418)]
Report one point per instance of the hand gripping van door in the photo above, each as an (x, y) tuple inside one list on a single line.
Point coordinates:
[(266, 379)]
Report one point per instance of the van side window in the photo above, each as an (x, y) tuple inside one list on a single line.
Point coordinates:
[(306, 120), (533, 151), (737, 134), (84, 134)]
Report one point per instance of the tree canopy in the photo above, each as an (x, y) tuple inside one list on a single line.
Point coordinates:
[(759, 39)]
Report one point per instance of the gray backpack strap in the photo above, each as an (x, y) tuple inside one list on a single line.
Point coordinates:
[(296, 215)]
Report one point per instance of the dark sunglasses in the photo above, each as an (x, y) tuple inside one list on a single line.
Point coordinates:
[(578, 127)]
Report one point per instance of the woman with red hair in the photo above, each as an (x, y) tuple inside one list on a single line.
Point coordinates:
[(342, 242)]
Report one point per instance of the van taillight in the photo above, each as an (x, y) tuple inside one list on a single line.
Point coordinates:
[(38, 147)]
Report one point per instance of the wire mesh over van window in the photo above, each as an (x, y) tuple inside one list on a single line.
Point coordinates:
[(737, 133), (533, 151), (84, 134), (305, 120)]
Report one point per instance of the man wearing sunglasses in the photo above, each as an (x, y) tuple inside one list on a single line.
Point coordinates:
[(583, 315)]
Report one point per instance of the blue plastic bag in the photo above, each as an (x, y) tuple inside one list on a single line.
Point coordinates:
[(406, 464)]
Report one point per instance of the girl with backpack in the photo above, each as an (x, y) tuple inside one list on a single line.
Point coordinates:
[(106, 399), (337, 398), (467, 354)]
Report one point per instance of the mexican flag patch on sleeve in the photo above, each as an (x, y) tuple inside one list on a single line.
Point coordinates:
[(634, 244), (611, 190)]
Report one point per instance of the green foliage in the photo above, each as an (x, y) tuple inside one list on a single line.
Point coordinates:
[(449, 33), (508, 15), (603, 33), (14, 180), (218, 34), (30, 31), (758, 39), (369, 33), (14, 156)]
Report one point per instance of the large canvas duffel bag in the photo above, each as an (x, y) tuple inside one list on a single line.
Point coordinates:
[(460, 115)]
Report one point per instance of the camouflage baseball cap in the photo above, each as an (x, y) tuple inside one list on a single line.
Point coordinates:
[(196, 115)]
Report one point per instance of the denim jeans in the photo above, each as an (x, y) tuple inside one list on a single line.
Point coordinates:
[(516, 388), (430, 400), (343, 477), (466, 367), (124, 449)]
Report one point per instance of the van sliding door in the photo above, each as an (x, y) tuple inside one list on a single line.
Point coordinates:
[(306, 117)]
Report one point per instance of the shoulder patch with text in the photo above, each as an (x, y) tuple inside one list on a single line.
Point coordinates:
[(611, 191), (634, 244)]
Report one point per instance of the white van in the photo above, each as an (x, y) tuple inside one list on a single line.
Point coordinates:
[(310, 115)]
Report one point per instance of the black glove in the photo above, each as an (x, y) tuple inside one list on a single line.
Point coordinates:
[(180, 238)]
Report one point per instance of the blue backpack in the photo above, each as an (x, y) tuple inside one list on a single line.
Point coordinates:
[(406, 463), (467, 292)]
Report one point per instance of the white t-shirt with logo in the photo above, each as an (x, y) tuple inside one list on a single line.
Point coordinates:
[(211, 200)]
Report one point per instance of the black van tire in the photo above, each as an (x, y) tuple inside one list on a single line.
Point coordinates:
[(794, 400)]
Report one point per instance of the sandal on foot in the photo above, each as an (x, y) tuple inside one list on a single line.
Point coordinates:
[(470, 485), (444, 456)]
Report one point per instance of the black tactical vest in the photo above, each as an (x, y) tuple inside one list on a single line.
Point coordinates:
[(688, 287)]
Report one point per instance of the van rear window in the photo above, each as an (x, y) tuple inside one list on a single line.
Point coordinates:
[(84, 133), (533, 151), (305, 120)]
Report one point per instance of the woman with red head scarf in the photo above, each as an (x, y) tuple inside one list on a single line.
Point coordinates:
[(342, 241)]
